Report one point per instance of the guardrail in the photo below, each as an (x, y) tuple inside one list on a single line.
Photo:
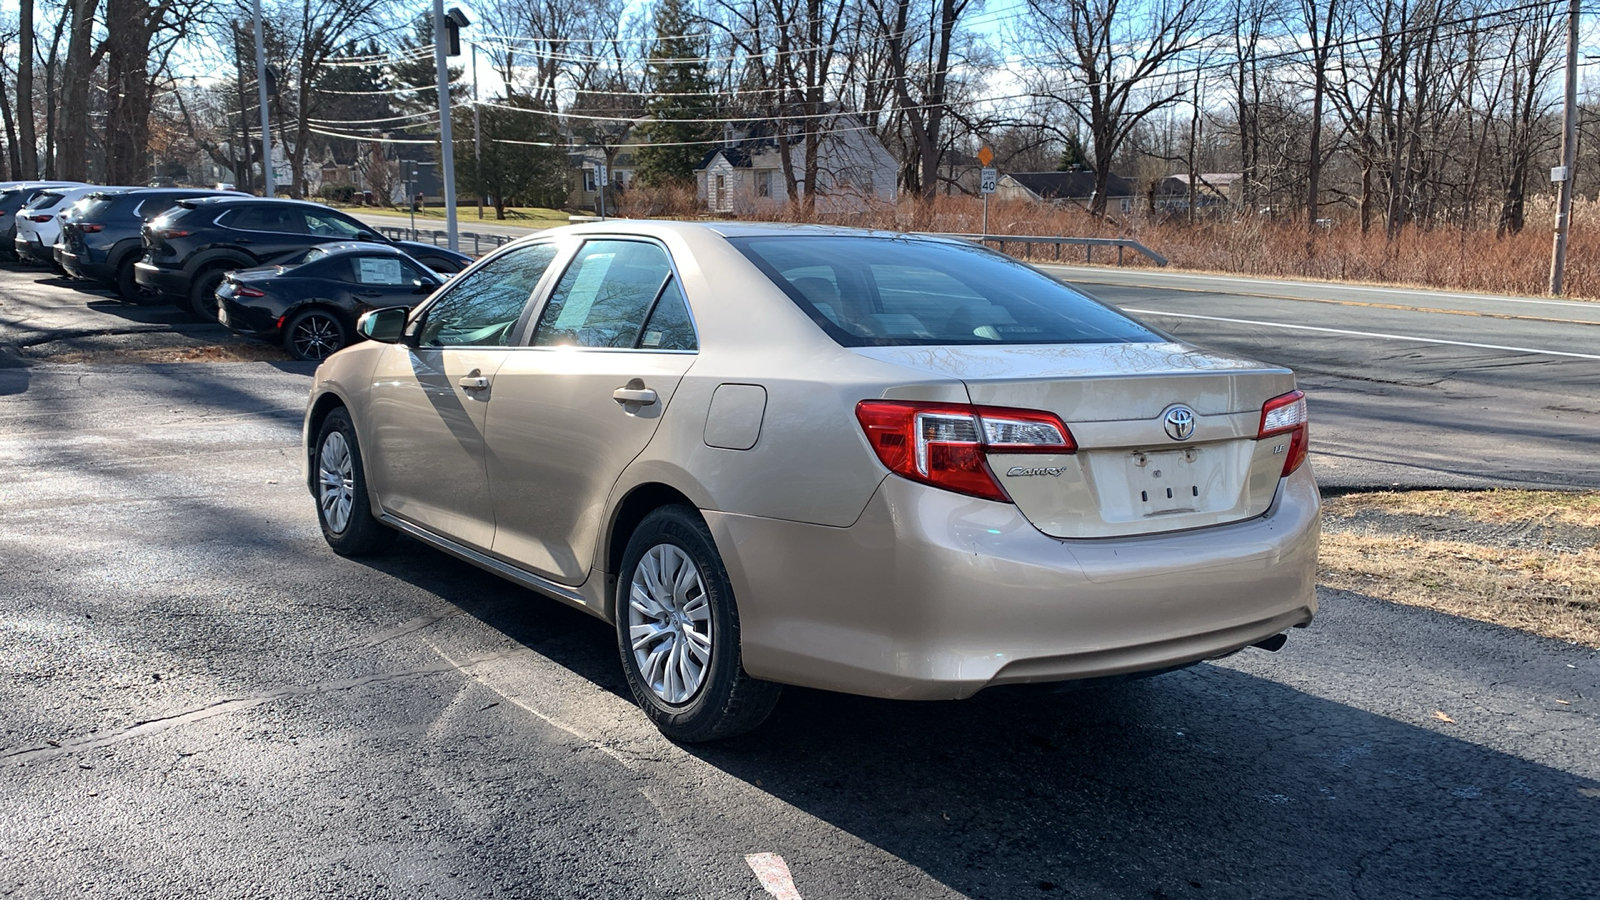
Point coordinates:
[(480, 242), (1088, 244), (483, 242)]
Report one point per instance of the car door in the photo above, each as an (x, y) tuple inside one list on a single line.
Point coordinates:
[(573, 409), (428, 398)]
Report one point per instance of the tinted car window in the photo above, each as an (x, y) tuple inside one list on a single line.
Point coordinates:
[(604, 296), (281, 219), (328, 224), (888, 291), (481, 308), (669, 326), (45, 200)]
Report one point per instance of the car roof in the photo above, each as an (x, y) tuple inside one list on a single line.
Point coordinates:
[(733, 229), (230, 198)]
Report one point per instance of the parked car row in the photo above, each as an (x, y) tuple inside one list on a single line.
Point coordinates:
[(180, 245)]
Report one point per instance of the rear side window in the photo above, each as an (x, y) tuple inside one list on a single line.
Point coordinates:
[(890, 291), (280, 219), (481, 308), (604, 297)]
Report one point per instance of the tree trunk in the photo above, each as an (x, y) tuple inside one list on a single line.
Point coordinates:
[(27, 139), (13, 157), (130, 25), (72, 148)]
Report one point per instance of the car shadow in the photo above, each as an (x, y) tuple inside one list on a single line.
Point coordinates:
[(1208, 782)]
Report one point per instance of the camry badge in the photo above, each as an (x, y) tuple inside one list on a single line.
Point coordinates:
[(1179, 422)]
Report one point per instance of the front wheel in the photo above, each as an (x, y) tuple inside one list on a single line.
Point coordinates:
[(343, 507), (678, 633), (314, 334)]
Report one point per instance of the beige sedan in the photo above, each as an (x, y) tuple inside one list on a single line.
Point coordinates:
[(867, 462)]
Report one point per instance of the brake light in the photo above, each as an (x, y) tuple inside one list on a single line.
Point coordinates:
[(240, 290), (91, 229), (945, 444), (44, 218), (169, 232), (1286, 414)]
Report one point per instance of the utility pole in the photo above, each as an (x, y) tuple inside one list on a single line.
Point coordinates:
[(443, 29), (1569, 153), (477, 134), (267, 188)]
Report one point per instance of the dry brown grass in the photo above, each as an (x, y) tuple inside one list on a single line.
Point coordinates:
[(1472, 259), (241, 352), (1523, 559)]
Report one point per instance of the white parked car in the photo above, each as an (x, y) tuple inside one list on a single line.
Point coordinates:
[(39, 222)]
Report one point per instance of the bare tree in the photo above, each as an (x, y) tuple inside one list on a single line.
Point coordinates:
[(1103, 59)]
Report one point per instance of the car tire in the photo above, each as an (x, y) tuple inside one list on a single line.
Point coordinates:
[(128, 285), (203, 293), (315, 335), (680, 643), (340, 483)]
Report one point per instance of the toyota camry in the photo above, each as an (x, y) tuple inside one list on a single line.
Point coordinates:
[(892, 465)]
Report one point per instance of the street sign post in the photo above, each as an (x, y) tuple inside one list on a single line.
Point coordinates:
[(600, 175), (988, 181)]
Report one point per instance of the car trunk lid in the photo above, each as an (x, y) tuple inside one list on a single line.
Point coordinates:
[(1166, 435)]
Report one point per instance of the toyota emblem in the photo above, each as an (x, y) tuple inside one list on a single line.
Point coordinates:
[(1179, 422)]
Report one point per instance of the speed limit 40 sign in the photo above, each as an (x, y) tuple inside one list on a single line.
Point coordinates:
[(988, 181)]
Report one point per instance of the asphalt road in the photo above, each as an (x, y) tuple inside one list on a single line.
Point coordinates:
[(200, 700)]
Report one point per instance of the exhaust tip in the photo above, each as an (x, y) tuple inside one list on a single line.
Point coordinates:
[(1272, 644)]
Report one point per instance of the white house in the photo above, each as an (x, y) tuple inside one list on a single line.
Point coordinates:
[(745, 173)]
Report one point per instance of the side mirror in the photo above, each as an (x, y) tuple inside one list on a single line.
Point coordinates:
[(386, 326)]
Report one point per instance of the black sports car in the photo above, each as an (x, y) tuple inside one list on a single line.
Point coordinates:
[(310, 302)]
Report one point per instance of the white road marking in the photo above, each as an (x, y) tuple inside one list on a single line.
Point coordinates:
[(1371, 334), (773, 873)]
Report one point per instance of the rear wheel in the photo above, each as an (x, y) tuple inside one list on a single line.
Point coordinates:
[(343, 508), (315, 335), (678, 633), (127, 285), (203, 293)]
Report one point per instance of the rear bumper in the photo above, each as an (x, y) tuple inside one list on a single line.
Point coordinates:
[(168, 282), (931, 595), (32, 250), (246, 320), (87, 262)]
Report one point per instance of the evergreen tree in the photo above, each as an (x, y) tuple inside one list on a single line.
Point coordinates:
[(677, 137), (524, 173)]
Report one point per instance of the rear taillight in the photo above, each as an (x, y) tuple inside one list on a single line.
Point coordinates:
[(1287, 414), (240, 290), (44, 218), (944, 444), (91, 229), (169, 232)]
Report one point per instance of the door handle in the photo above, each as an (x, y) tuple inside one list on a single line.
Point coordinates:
[(641, 395), (243, 240), (372, 293), (474, 382)]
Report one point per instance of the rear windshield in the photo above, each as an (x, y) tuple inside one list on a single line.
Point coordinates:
[(98, 206), (893, 291), (45, 200)]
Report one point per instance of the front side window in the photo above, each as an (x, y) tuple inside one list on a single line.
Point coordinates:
[(481, 308), (895, 291), (605, 296), (327, 224)]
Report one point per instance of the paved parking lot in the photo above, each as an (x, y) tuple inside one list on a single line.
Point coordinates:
[(199, 699)]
